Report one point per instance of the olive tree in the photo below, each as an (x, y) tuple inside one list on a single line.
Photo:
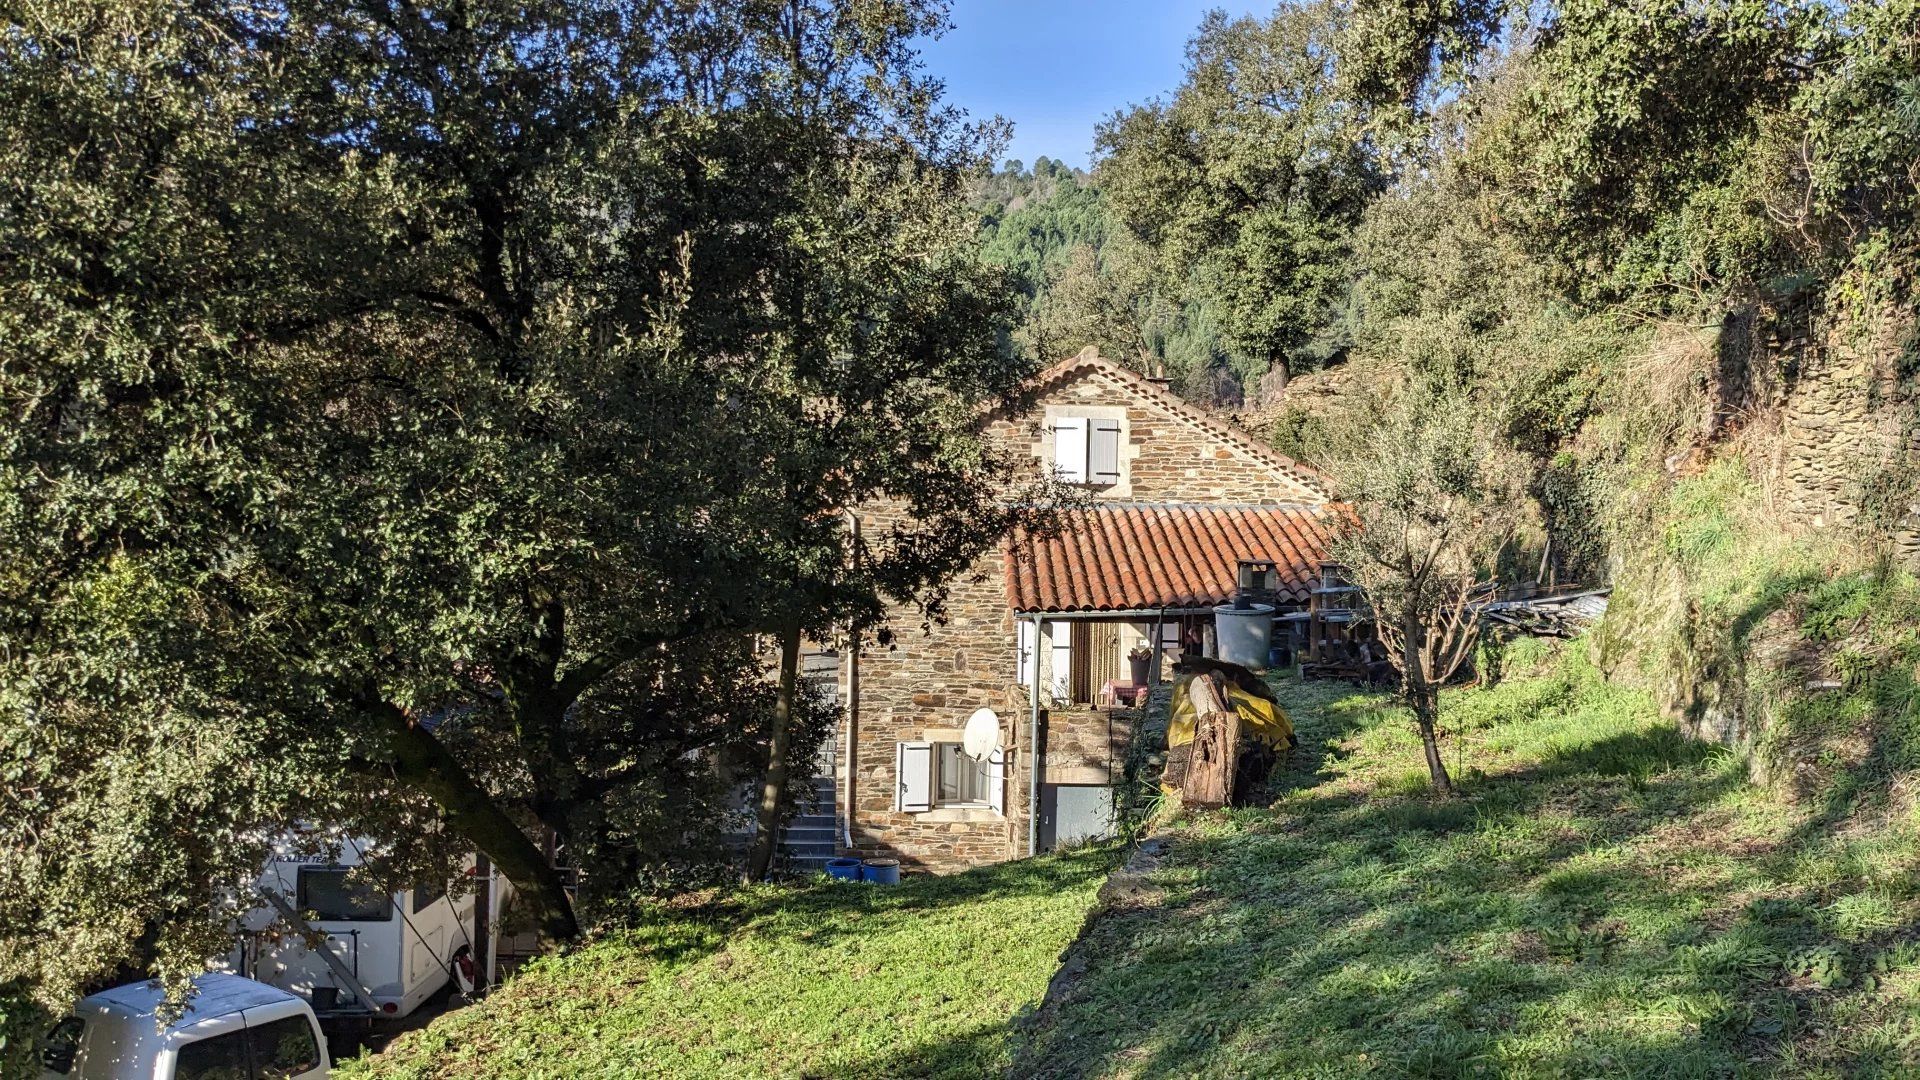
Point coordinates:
[(1434, 500)]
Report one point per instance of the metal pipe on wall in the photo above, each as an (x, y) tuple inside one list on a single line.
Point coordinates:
[(852, 704), (853, 742), (1033, 748)]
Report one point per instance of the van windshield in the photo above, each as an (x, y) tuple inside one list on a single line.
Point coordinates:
[(59, 1048), (275, 1050)]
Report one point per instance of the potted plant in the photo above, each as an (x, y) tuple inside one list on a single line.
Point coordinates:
[(1141, 657)]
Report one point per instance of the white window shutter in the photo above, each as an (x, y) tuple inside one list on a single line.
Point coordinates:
[(1061, 632), (1103, 452), (913, 765), (1024, 671), (1070, 448), (997, 780)]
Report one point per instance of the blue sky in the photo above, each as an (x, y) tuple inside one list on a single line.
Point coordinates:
[(1058, 67)]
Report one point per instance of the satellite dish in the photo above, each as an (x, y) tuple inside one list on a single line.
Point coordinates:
[(981, 735)]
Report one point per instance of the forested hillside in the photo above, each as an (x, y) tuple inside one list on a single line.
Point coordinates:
[(1662, 255), (1666, 257)]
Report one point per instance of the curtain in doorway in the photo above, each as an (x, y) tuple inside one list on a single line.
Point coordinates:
[(1096, 648)]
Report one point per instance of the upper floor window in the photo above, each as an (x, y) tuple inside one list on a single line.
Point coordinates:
[(1086, 450)]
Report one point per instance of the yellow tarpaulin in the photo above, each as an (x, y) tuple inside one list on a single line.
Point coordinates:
[(1259, 718)]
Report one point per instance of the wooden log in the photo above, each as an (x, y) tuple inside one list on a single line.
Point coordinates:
[(1208, 782)]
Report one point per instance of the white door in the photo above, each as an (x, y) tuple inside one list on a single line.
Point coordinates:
[(424, 952)]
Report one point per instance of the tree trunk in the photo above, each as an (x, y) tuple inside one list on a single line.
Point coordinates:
[(773, 788), (1426, 710), (1423, 698), (1272, 386), (421, 761)]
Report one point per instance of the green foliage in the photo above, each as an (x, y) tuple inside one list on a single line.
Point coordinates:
[(1033, 221), (506, 366), (1412, 52), (1574, 942), (1242, 190), (1825, 966), (1701, 527)]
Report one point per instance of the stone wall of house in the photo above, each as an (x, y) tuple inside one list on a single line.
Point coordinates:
[(1084, 746), (922, 687), (1168, 458)]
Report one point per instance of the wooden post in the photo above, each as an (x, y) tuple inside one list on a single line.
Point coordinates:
[(1208, 782), (482, 923), (1159, 651)]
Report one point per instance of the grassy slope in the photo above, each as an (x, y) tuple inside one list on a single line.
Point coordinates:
[(1604, 899), (840, 980)]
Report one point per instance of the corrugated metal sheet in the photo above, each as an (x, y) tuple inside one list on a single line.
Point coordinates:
[(1134, 556)]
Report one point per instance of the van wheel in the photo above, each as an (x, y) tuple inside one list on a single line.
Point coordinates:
[(462, 969)]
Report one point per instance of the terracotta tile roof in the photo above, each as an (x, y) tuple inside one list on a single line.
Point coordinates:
[(1138, 556)]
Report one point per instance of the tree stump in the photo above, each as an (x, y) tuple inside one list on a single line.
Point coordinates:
[(1208, 782)]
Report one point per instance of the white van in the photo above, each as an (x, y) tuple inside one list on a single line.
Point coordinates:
[(232, 1029), (389, 952)]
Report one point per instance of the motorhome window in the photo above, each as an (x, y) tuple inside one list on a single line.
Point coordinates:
[(427, 894), (285, 1047), (327, 892), (223, 1057), (57, 1051)]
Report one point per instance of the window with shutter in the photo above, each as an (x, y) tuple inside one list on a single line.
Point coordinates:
[(913, 766), (958, 778), (1103, 452), (1070, 449)]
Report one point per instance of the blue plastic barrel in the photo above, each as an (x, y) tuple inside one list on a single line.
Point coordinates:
[(844, 869), (881, 871)]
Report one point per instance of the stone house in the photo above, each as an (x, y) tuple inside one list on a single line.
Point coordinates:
[(1179, 500)]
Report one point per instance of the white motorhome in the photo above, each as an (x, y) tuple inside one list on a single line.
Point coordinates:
[(382, 955), (232, 1027)]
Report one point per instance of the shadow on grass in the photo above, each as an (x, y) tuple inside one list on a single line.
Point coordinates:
[(1489, 934), (978, 1052)]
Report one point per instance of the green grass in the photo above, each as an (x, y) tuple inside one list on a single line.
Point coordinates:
[(926, 979), (1603, 898)]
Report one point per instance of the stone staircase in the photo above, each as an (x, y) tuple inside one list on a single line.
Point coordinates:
[(813, 836)]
